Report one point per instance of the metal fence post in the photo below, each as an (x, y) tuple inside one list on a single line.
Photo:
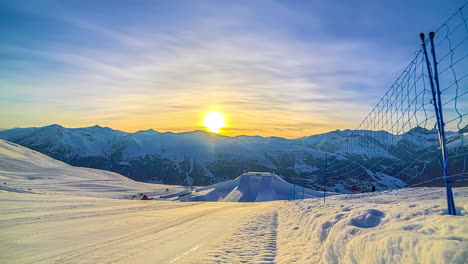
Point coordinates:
[(325, 177), (436, 100)]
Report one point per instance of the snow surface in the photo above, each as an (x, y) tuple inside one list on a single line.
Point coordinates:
[(59, 221), (403, 226), (407, 226)]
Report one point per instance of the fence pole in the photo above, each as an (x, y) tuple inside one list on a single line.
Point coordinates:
[(438, 113), (303, 187), (442, 139), (325, 177), (294, 192)]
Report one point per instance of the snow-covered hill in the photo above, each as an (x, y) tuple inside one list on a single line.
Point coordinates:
[(26, 171), (201, 158)]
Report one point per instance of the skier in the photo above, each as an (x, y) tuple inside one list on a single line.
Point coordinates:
[(373, 188), (354, 189)]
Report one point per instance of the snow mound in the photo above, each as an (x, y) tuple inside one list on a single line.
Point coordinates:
[(367, 219), (252, 187)]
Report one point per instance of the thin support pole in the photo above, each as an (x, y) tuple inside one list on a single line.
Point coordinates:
[(442, 138), (303, 187), (294, 192), (436, 100), (325, 177)]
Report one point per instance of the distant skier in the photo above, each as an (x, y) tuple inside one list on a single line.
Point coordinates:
[(373, 188), (354, 189)]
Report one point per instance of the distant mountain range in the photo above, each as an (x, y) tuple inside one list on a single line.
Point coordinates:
[(202, 158)]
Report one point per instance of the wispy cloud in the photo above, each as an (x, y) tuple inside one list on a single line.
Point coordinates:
[(260, 74)]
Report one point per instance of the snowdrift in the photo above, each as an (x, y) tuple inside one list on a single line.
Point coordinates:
[(400, 226), (252, 187)]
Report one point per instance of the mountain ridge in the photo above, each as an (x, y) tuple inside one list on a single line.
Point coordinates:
[(203, 158)]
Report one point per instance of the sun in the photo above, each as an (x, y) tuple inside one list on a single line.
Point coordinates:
[(214, 121)]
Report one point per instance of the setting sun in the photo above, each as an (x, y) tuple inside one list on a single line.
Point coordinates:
[(214, 121)]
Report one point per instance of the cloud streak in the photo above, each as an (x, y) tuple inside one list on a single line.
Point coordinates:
[(266, 78)]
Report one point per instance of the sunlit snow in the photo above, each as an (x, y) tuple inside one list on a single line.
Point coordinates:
[(55, 213)]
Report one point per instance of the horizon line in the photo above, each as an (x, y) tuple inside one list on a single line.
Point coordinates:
[(211, 133)]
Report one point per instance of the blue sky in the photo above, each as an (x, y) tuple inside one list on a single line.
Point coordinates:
[(273, 68)]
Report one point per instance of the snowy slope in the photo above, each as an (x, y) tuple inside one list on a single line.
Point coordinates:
[(17, 158), (406, 226), (25, 170), (56, 213)]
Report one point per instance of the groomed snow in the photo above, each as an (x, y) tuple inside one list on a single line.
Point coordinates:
[(61, 222), (407, 226)]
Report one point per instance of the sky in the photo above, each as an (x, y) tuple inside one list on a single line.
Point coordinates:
[(272, 68)]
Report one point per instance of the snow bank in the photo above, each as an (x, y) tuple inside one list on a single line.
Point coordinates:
[(404, 226)]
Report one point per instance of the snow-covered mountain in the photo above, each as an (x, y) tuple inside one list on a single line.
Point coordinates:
[(202, 158)]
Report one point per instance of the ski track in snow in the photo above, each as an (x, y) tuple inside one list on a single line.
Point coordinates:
[(261, 232), (66, 229), (140, 244)]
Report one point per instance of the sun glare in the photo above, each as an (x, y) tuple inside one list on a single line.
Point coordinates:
[(214, 121)]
